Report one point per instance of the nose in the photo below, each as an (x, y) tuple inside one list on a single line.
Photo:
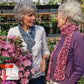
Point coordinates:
[(33, 17)]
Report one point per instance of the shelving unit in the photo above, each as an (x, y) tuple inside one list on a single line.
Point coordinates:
[(6, 14)]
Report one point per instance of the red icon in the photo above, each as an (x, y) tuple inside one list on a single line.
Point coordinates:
[(7, 66), (4, 70)]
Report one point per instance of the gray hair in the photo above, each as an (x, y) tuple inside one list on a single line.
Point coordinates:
[(23, 8), (72, 10)]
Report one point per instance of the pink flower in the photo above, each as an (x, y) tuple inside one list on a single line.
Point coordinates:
[(27, 73), (24, 81), (0, 72), (21, 68), (12, 54), (10, 48), (13, 82), (20, 74), (6, 82), (12, 37), (33, 71), (26, 63), (20, 58), (5, 53)]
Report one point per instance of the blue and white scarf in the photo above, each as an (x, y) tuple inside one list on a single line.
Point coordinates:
[(28, 37)]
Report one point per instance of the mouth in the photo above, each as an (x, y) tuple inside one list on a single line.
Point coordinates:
[(32, 22)]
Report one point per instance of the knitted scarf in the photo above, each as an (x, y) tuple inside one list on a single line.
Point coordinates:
[(28, 37), (59, 73)]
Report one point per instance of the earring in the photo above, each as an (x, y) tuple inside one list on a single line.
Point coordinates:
[(21, 22)]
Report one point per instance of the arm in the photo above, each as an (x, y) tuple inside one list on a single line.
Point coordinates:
[(78, 60), (45, 52)]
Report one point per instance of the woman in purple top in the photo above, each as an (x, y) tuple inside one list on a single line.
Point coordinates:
[(66, 64)]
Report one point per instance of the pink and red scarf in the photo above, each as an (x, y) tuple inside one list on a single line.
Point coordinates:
[(59, 73)]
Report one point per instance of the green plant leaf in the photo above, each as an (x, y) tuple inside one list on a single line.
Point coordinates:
[(3, 59)]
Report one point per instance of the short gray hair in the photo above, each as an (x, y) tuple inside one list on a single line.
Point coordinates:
[(72, 10), (22, 8)]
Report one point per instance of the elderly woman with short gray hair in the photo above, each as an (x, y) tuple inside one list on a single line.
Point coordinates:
[(34, 38), (67, 59)]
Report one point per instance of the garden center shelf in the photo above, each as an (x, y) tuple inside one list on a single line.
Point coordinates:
[(6, 14)]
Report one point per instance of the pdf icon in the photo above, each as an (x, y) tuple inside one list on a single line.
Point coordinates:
[(11, 71)]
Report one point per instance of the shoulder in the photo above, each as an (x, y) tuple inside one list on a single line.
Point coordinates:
[(77, 35), (13, 31), (77, 38), (39, 28)]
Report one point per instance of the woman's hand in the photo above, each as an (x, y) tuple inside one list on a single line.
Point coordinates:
[(43, 66), (43, 63)]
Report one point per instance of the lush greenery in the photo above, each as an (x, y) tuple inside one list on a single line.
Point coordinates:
[(7, 4)]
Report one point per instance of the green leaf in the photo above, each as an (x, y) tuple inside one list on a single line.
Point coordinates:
[(3, 59)]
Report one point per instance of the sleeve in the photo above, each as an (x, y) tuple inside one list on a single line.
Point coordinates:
[(45, 49), (78, 60)]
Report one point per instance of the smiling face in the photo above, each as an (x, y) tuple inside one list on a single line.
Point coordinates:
[(28, 19), (61, 20)]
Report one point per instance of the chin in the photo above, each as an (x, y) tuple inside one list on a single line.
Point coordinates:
[(32, 25), (58, 25)]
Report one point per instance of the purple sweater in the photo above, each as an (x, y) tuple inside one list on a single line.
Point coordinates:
[(75, 62)]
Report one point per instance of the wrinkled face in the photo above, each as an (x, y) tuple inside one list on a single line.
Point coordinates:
[(29, 19), (61, 21)]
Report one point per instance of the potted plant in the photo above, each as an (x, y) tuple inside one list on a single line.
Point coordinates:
[(5, 4)]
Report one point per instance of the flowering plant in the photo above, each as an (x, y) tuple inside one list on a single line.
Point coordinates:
[(12, 52)]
